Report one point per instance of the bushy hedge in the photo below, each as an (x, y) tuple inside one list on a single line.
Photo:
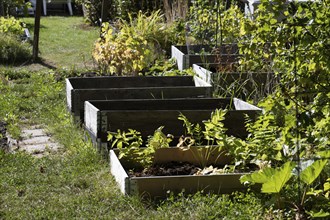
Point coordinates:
[(131, 47), (12, 49)]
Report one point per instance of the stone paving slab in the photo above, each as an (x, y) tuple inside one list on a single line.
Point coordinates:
[(33, 132), (35, 141), (39, 148)]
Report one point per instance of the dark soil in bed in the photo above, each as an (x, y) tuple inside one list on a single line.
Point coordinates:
[(3, 137), (168, 169)]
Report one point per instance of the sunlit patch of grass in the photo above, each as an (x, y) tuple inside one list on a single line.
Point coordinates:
[(65, 42)]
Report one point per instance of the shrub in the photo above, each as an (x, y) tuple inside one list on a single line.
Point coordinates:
[(215, 23), (13, 51), (7, 7), (117, 9), (135, 47), (11, 25)]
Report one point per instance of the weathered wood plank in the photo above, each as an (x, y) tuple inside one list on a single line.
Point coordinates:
[(147, 115), (129, 81), (163, 104), (252, 85), (160, 186), (118, 172), (186, 56), (82, 95)]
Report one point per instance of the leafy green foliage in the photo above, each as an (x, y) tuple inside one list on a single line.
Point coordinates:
[(130, 145), (272, 180), (117, 9), (210, 23), (13, 51), (11, 25), (134, 48), (10, 5), (275, 181), (309, 175)]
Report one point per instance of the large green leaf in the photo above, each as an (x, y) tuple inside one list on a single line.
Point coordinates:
[(261, 176), (319, 214), (278, 179), (272, 180), (309, 174), (327, 185)]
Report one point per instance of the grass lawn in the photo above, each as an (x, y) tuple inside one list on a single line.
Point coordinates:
[(64, 42), (75, 183)]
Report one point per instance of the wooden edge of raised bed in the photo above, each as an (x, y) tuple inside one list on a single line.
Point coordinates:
[(68, 88), (179, 57), (82, 95), (91, 118), (160, 186), (200, 82), (203, 73), (242, 105), (118, 172)]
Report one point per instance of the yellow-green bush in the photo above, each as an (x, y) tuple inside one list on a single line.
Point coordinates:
[(132, 49), (11, 25)]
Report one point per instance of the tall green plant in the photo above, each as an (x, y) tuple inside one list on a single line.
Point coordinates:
[(129, 145), (134, 48), (215, 22)]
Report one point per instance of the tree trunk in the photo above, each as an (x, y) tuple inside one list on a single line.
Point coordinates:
[(2, 8)]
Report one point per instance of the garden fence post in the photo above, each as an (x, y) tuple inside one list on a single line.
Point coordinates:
[(36, 30)]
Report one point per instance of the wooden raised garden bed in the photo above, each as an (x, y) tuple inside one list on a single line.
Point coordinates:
[(146, 116), (79, 90), (186, 56), (159, 186), (252, 85)]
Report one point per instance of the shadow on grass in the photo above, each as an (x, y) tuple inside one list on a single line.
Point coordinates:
[(43, 63)]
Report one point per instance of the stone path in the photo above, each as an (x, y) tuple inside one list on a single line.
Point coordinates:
[(35, 141)]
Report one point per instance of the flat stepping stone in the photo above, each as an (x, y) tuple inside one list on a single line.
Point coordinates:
[(35, 141), (33, 132)]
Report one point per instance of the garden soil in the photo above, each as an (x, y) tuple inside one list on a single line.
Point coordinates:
[(3, 136)]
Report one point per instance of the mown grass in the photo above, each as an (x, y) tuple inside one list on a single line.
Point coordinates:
[(64, 42), (75, 183)]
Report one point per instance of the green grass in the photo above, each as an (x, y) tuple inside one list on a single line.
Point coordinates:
[(64, 42), (75, 182)]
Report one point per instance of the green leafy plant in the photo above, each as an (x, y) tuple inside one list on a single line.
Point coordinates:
[(134, 48), (129, 145), (11, 25), (276, 181), (215, 22), (117, 9), (13, 51), (212, 139)]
